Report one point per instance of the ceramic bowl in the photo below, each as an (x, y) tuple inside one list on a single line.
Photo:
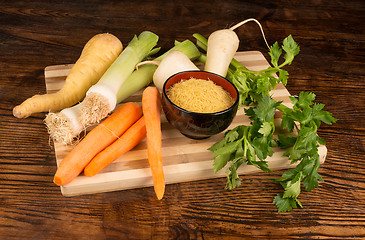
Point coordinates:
[(199, 125)]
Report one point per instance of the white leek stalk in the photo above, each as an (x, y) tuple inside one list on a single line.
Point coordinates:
[(64, 126)]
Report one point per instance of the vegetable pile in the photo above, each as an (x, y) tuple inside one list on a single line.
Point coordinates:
[(65, 126), (106, 74)]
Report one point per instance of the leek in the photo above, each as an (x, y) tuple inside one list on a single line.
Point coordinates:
[(101, 98), (144, 75)]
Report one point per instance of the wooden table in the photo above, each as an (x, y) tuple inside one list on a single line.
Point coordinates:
[(331, 64)]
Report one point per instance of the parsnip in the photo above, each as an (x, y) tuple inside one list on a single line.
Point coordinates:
[(96, 57)]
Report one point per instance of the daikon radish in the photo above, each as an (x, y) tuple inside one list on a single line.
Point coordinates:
[(222, 46), (96, 57), (173, 63)]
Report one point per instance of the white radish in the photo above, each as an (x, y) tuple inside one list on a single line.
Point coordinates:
[(222, 46), (174, 62)]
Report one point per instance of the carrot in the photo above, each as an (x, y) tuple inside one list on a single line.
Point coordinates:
[(96, 140), (97, 55), (151, 106), (134, 135)]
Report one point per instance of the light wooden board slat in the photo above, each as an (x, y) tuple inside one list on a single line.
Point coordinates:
[(184, 159)]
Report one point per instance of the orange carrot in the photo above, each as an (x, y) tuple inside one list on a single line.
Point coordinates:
[(151, 106), (96, 140), (134, 135)]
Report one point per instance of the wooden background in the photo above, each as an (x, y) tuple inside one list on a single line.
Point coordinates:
[(331, 64)]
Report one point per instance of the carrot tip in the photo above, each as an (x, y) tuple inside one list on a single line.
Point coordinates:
[(88, 173), (57, 180), (160, 192)]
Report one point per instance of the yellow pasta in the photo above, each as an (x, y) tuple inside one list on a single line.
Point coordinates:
[(198, 95)]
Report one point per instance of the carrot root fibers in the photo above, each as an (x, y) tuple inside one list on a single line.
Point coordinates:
[(134, 135), (151, 105), (96, 140)]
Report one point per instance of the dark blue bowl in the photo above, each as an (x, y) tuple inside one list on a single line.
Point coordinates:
[(199, 125)]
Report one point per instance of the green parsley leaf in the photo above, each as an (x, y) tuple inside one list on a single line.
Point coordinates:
[(228, 148), (310, 172), (286, 204), (320, 115), (283, 76), (247, 144), (233, 179), (266, 129), (275, 52), (220, 161), (291, 48), (286, 141), (292, 188)]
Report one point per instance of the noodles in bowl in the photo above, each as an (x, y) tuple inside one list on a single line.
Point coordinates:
[(199, 95), (203, 123)]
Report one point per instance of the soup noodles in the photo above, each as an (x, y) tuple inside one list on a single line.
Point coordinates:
[(198, 95)]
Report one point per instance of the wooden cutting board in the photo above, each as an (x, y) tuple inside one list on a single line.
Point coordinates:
[(184, 159)]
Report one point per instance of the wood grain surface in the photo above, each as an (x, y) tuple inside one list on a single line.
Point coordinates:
[(40, 33), (184, 159)]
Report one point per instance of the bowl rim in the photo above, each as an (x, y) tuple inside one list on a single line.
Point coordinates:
[(204, 114)]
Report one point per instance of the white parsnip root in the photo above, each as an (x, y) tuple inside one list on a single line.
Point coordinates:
[(97, 55)]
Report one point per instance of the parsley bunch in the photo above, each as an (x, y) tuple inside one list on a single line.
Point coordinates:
[(302, 148), (248, 143), (253, 144)]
